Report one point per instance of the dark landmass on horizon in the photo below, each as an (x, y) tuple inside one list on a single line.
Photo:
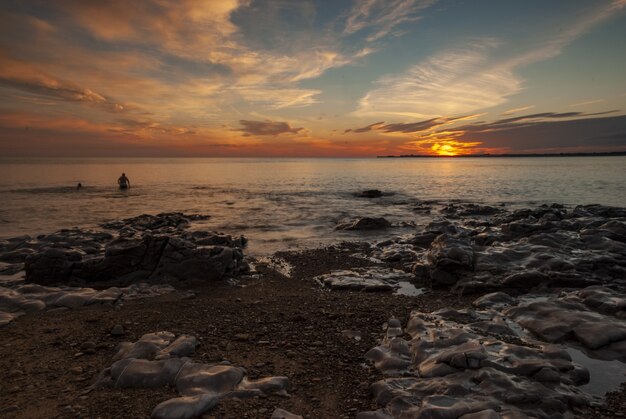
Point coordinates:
[(603, 154)]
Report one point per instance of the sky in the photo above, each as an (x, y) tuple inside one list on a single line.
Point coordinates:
[(331, 78)]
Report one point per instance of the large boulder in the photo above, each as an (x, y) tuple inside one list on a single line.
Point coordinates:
[(140, 257), (449, 260), (51, 266)]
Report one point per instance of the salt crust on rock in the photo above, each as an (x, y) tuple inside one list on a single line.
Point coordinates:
[(364, 279), (449, 370), (159, 359), (32, 297)]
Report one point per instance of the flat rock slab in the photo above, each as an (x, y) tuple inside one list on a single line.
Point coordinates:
[(32, 297), (161, 359), (364, 279), (577, 317)]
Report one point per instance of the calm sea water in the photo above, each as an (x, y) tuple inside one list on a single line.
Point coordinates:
[(287, 203)]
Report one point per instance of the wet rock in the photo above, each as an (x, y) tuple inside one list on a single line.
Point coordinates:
[(362, 279), (561, 319), (370, 193), (448, 371), (144, 248), (394, 252), (526, 279), (493, 300), (366, 223), (449, 260)]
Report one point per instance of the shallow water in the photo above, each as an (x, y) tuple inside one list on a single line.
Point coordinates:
[(604, 376), (287, 203)]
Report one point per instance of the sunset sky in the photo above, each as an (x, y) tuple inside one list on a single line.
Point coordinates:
[(311, 78)]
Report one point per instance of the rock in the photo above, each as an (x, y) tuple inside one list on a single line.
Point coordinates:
[(366, 223), (146, 248), (562, 318), (118, 330), (184, 407), (88, 347), (199, 385), (283, 414), (370, 193), (526, 280), (51, 266), (466, 374), (494, 299), (449, 259), (364, 279)]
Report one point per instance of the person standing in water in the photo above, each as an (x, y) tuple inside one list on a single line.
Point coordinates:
[(123, 181)]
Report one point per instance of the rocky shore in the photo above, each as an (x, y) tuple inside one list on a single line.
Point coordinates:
[(481, 312)]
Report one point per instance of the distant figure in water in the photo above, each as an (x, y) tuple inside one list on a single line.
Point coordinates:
[(80, 185), (123, 181)]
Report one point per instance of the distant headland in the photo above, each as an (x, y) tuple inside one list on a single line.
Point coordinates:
[(612, 153)]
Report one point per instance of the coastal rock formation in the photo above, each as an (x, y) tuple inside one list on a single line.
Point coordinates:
[(155, 248), (159, 359), (370, 193), (449, 369), (364, 279), (575, 317), (365, 223), (32, 297), (480, 248)]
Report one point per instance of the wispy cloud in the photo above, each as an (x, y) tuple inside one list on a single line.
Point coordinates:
[(21, 76), (588, 102), (516, 110), (411, 127), (267, 128), (452, 82), (380, 17)]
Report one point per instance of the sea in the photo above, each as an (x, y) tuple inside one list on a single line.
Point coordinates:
[(289, 203)]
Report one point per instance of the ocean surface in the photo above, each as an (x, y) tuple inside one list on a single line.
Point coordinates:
[(282, 203)]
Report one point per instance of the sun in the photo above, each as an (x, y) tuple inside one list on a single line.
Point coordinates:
[(444, 149)]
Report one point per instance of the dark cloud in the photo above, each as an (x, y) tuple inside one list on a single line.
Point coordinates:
[(266, 127), (527, 120), (365, 129), (56, 89), (407, 128), (590, 134)]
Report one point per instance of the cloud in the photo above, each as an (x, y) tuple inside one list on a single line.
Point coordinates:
[(370, 127), (411, 127), (470, 78), (452, 82), (527, 120), (267, 128), (21, 76), (516, 110), (589, 102), (381, 16), (584, 134)]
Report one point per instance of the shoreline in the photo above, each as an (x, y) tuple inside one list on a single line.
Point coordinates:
[(332, 321)]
